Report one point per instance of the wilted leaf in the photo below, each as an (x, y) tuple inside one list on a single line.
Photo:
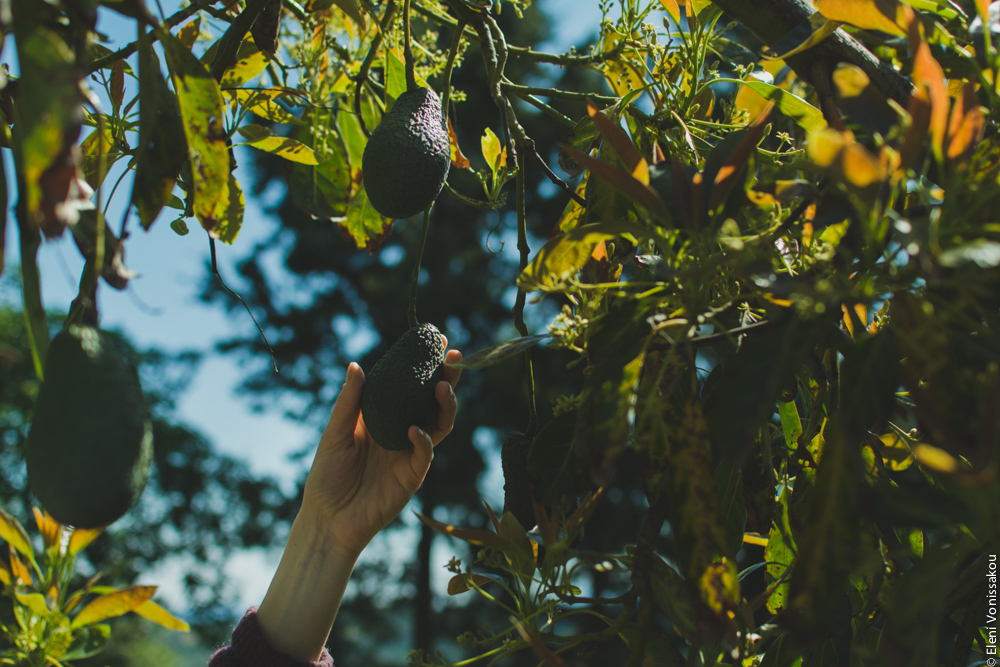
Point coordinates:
[(458, 160), (113, 270), (112, 604), (202, 113), (491, 356), (157, 614)]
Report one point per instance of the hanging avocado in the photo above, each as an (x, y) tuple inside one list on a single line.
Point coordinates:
[(91, 441), (406, 160), (399, 389), (516, 491)]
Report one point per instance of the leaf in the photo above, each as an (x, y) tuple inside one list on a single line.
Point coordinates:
[(322, 190), (807, 34), (88, 642), (458, 160), (492, 356), (395, 78), (285, 147), (189, 33), (561, 258), (673, 10), (583, 137), (365, 225), (464, 581), (162, 150), (263, 102), (250, 62), (229, 226), (265, 29), (202, 113), (884, 15), (112, 604), (494, 154), (725, 178), (479, 538), (673, 596), (12, 532), (157, 614), (180, 227), (116, 86), (114, 271), (624, 182), (779, 554), (47, 116), (804, 114), (50, 529), (18, 570), (621, 144), (80, 538), (931, 100), (91, 148), (349, 7), (861, 101), (35, 602)]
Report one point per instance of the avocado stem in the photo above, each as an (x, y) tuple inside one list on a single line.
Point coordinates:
[(411, 78), (522, 246), (411, 310)]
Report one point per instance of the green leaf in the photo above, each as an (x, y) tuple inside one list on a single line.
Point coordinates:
[(791, 424), (365, 225), (779, 554), (162, 149), (113, 604), (560, 258), (229, 227), (261, 138), (804, 114), (35, 602), (322, 190), (395, 78), (202, 113), (263, 102), (349, 7), (88, 641), (91, 148), (14, 534), (491, 356), (180, 227)]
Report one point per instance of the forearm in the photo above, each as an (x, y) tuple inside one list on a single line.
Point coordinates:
[(301, 603)]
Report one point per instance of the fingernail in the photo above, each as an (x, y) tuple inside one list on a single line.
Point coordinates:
[(451, 390), (422, 432)]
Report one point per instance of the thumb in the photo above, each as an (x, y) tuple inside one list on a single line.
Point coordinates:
[(344, 416)]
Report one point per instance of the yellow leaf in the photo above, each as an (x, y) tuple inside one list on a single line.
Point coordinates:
[(20, 572), (673, 9), (641, 172), (895, 452), (885, 15), (493, 153), (229, 225), (14, 534), (936, 459), (35, 602), (458, 159), (113, 604), (4, 574), (50, 529), (157, 614), (81, 537)]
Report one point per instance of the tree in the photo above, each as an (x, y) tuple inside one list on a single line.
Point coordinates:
[(768, 290)]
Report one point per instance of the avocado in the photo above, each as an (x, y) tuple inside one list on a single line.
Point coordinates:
[(516, 490), (407, 158), (90, 446), (399, 389)]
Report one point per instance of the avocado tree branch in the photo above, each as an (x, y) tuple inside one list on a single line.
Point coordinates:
[(411, 77), (770, 20), (522, 246), (31, 291), (366, 65)]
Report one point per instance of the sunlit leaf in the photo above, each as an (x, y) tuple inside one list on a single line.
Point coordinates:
[(935, 458), (91, 148), (229, 226), (112, 604), (494, 152), (35, 602), (804, 114), (673, 10), (202, 114), (365, 225), (931, 92), (189, 33), (885, 15), (622, 181), (458, 160), (250, 63), (261, 138), (50, 529), (561, 258), (80, 538), (263, 102), (154, 612), (621, 144), (805, 35), (12, 532)]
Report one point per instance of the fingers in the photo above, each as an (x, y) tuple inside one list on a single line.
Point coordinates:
[(451, 374), (423, 453), (446, 415), (344, 416)]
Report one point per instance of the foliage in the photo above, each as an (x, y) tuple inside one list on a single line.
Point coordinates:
[(776, 282), (52, 621)]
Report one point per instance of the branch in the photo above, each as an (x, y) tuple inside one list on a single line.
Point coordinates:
[(770, 20)]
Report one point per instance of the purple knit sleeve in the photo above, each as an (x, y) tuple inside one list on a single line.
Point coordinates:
[(249, 649)]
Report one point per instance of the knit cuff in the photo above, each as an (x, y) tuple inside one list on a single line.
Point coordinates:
[(249, 649)]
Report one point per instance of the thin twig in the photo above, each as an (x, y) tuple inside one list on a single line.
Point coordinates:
[(411, 309), (411, 77), (215, 270), (529, 144)]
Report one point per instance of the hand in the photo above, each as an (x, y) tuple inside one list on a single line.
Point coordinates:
[(355, 488)]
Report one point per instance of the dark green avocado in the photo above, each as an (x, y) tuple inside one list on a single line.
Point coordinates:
[(399, 389), (516, 489), (91, 441), (407, 158)]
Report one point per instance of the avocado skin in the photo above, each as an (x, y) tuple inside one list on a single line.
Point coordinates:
[(91, 441), (399, 389), (516, 490), (407, 158)]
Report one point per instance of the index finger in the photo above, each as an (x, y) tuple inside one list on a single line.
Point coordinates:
[(450, 374)]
